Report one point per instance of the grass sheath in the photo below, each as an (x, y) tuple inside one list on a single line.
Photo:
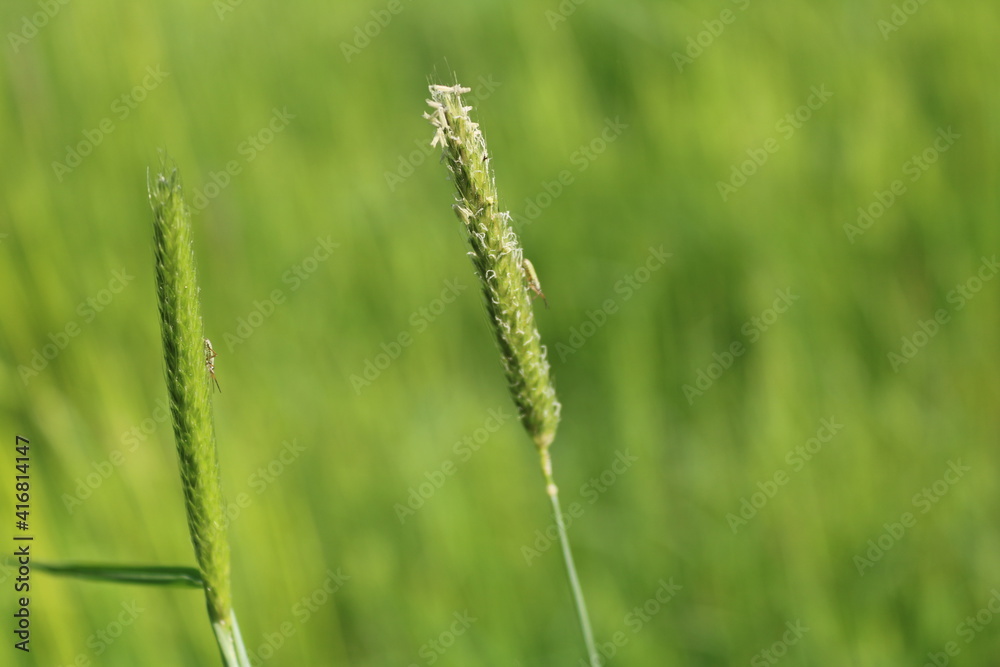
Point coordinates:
[(189, 385), (507, 280)]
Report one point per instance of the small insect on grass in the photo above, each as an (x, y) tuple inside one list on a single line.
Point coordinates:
[(532, 278), (210, 356)]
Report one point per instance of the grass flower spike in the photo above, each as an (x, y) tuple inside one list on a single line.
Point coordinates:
[(499, 262), (189, 375), (508, 279)]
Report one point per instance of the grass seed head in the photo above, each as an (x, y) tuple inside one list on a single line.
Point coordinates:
[(498, 260)]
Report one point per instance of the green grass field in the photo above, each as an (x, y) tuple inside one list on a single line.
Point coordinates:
[(779, 433)]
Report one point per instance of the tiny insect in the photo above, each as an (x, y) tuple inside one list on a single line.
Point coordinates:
[(210, 356), (532, 277)]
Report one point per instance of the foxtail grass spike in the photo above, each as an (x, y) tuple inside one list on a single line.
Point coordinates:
[(189, 385), (499, 262), (508, 279)]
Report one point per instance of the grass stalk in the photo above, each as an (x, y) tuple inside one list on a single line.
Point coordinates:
[(189, 385), (507, 283), (583, 617)]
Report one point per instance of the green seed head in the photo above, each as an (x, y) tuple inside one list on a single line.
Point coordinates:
[(188, 378), (499, 263)]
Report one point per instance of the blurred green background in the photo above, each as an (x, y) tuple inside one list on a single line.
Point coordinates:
[(292, 129)]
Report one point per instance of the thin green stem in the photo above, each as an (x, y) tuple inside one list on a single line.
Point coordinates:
[(574, 581)]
